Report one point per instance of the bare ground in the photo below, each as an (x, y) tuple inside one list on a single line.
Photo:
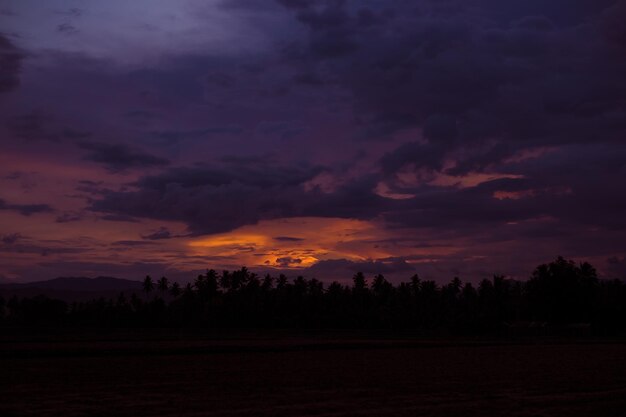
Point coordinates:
[(311, 378)]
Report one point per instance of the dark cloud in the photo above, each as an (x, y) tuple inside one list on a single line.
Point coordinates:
[(257, 6), (613, 19), (30, 126), (39, 125), (184, 79), (331, 28), (440, 128), (16, 175), (367, 17), (435, 101), (162, 233), (142, 115), (282, 129), (296, 4), (238, 172), (562, 185), (287, 239), (69, 217), (39, 249), (571, 199), (478, 74), (10, 64), (132, 243), (92, 188), (486, 81), (309, 78), (67, 29), (413, 153), (11, 238), (220, 79), (120, 157), (562, 11), (26, 209), (469, 208), (221, 199), (324, 19), (173, 136), (73, 12), (288, 261), (72, 134), (332, 44), (119, 218)]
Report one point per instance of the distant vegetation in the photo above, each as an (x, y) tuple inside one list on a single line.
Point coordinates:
[(560, 297)]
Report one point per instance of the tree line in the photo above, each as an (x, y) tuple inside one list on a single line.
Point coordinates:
[(558, 296)]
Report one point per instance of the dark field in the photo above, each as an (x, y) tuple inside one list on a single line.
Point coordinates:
[(316, 377)]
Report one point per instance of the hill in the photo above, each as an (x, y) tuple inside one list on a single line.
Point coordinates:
[(72, 288)]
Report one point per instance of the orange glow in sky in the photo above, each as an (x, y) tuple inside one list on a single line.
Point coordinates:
[(295, 242)]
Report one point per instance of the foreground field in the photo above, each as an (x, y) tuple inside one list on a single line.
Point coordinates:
[(295, 378)]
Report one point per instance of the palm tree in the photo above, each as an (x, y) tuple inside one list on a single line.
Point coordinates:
[(163, 284), (212, 284), (175, 290), (378, 284), (300, 285), (188, 291), (148, 284), (135, 302), (360, 284), (225, 281), (268, 283), (199, 283), (415, 284), (281, 284)]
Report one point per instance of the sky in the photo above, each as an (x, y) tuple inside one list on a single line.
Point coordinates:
[(311, 137)]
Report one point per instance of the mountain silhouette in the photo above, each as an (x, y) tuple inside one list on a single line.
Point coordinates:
[(72, 288), (79, 284)]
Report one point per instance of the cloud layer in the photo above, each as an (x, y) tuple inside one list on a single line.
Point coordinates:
[(492, 129)]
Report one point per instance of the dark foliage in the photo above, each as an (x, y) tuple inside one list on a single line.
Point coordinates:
[(560, 298)]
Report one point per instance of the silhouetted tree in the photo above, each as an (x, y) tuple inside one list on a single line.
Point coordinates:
[(135, 302), (268, 283), (225, 281), (175, 290), (163, 284), (282, 282), (211, 281), (359, 282), (562, 291), (2, 308), (148, 284), (415, 284)]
